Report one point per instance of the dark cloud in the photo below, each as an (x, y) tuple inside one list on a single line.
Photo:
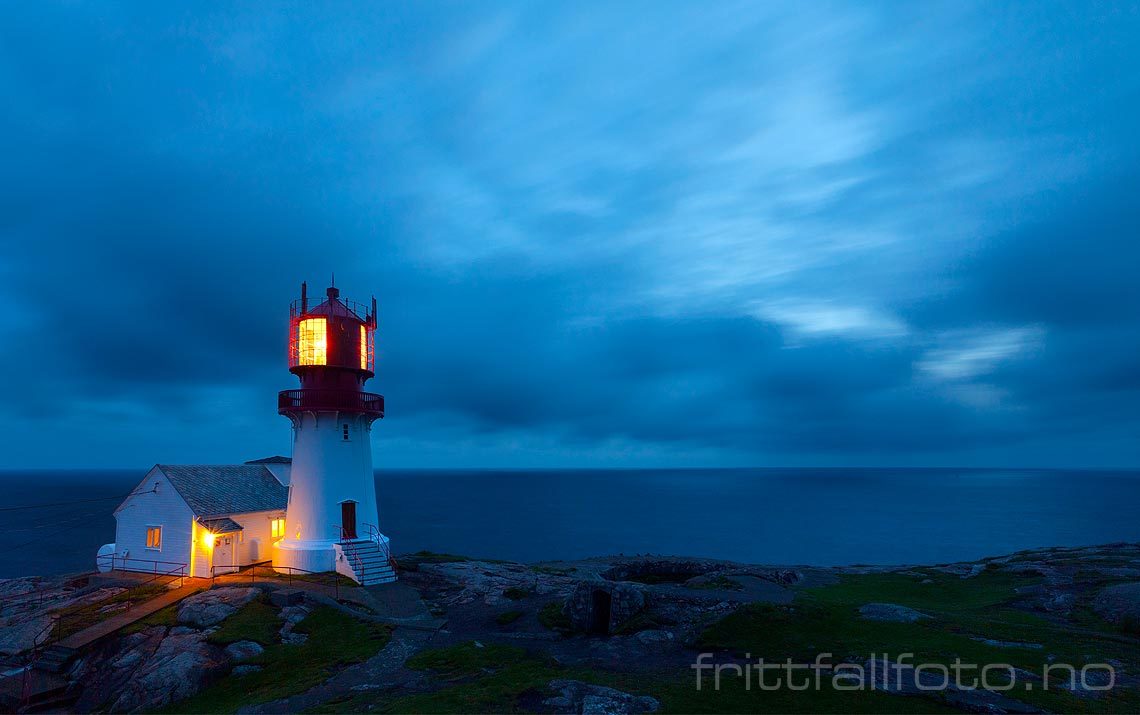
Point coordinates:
[(761, 237)]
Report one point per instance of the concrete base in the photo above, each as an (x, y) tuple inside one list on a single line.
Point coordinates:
[(313, 556)]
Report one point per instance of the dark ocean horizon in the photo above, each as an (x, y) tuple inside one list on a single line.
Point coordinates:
[(807, 516)]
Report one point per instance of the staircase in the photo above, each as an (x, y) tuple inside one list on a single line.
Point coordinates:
[(370, 564), (55, 658)]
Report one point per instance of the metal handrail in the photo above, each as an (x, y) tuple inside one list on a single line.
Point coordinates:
[(318, 399), (289, 571), (100, 559), (375, 536), (179, 572), (350, 551)]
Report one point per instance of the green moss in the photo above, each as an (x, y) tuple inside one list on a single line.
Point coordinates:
[(643, 621), (552, 616), (167, 617), (503, 679), (508, 617), (517, 594), (256, 621), (964, 611), (335, 640)]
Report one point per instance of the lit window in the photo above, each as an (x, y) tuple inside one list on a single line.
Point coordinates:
[(276, 528), (312, 343), (363, 348), (154, 537)]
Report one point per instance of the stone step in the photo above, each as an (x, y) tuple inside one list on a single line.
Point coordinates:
[(374, 580), (55, 658)]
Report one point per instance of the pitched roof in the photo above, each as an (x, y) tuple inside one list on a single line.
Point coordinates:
[(220, 526), (276, 459), (214, 489)]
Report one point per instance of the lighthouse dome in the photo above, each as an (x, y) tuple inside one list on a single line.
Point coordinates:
[(335, 333)]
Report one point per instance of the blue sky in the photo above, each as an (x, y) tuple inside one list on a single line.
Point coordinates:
[(613, 234)]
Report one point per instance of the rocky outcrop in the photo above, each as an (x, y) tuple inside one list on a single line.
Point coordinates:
[(578, 697), (210, 608), (1120, 605), (602, 607), (147, 670), (890, 612), (180, 666), (243, 650)]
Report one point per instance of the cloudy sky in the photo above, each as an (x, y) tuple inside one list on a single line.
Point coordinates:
[(600, 234)]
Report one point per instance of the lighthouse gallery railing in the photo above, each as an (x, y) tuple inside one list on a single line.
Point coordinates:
[(317, 399)]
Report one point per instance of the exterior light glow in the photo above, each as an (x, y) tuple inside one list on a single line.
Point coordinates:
[(208, 540), (312, 342)]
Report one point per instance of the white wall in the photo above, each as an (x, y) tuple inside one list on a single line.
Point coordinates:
[(144, 508), (327, 470), (257, 540)]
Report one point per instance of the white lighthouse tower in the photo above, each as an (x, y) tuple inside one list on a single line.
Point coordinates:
[(331, 520)]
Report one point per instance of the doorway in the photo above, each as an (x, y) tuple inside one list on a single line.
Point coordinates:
[(601, 604), (348, 520)]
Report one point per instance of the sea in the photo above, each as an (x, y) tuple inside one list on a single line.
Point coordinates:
[(55, 521)]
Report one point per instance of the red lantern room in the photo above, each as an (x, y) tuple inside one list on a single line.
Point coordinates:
[(332, 350)]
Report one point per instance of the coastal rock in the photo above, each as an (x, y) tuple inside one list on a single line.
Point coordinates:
[(904, 679), (890, 612), (245, 669), (622, 600), (1120, 605), (651, 637), (178, 668), (146, 670), (578, 697), (214, 606), (243, 650)]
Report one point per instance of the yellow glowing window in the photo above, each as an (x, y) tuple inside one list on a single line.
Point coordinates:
[(312, 342), (363, 348), (276, 528), (154, 537)]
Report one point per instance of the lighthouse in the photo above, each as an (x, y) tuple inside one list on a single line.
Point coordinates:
[(331, 518)]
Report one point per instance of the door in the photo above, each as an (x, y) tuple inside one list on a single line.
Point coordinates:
[(348, 519)]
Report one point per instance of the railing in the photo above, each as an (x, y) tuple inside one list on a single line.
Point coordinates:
[(350, 551), (376, 537), (317, 399), (290, 573), (56, 629), (123, 563)]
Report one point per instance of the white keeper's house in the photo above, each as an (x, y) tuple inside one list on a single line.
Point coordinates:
[(211, 519), (315, 512)]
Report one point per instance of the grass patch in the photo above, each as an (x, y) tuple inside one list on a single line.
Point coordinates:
[(826, 620), (644, 621), (327, 578), (552, 617), (718, 583), (256, 621), (507, 617), (167, 617), (335, 640), (81, 616), (517, 594), (503, 679)]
